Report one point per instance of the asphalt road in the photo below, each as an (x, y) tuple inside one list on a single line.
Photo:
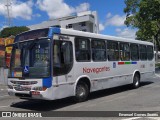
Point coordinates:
[(145, 98)]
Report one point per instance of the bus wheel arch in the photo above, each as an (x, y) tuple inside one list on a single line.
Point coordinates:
[(82, 89), (136, 79)]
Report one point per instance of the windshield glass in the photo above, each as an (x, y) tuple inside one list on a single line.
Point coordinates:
[(30, 59)]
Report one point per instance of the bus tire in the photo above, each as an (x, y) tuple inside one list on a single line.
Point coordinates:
[(136, 81), (82, 92)]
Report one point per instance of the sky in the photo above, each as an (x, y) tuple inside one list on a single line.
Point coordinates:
[(30, 12)]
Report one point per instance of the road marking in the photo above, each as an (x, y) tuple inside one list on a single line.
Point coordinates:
[(135, 118), (154, 118), (4, 106), (4, 96), (75, 107), (132, 118), (157, 75)]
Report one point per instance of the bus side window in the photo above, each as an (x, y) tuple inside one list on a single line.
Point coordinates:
[(98, 50), (112, 51), (82, 49), (134, 52), (125, 51), (150, 52), (143, 52)]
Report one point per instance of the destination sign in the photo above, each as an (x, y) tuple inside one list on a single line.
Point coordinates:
[(35, 34)]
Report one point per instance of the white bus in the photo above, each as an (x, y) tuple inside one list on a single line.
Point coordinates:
[(55, 63)]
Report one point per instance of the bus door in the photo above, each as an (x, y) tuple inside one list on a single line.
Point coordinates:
[(62, 62)]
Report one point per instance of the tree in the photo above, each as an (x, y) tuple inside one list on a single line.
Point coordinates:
[(144, 15), (7, 32)]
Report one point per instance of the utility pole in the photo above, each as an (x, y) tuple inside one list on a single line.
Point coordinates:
[(8, 5), (155, 49)]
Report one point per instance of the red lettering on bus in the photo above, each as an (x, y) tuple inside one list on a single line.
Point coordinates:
[(96, 70)]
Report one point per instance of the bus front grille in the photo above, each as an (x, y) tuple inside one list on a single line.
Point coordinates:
[(22, 88)]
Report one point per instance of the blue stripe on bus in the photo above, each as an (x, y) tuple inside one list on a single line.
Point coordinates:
[(47, 82), (54, 30), (134, 62)]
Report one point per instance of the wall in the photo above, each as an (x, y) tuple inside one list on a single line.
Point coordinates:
[(3, 76)]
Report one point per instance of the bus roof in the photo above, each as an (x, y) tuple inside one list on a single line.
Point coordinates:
[(53, 30), (100, 36)]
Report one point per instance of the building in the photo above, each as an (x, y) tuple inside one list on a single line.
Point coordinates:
[(84, 21), (2, 52), (2, 47), (5, 51)]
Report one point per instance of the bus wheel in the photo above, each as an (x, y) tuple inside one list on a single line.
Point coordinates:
[(136, 81), (82, 92)]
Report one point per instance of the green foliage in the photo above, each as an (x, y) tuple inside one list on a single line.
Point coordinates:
[(144, 15), (7, 32)]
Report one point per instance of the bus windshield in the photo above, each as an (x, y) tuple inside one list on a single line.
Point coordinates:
[(31, 59)]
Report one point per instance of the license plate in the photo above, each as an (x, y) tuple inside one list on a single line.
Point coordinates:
[(17, 86)]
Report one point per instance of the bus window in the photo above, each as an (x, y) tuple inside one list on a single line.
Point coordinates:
[(98, 50), (143, 52), (39, 55), (62, 57), (150, 52), (112, 51), (32, 55), (134, 52), (124, 51), (82, 50)]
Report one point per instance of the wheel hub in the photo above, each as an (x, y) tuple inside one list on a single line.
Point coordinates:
[(80, 91)]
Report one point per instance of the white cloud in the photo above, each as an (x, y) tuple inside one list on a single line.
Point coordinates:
[(101, 27), (126, 33), (118, 30), (108, 15), (17, 9), (1, 28), (82, 7), (55, 8), (58, 8), (36, 15), (23, 10), (115, 20)]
